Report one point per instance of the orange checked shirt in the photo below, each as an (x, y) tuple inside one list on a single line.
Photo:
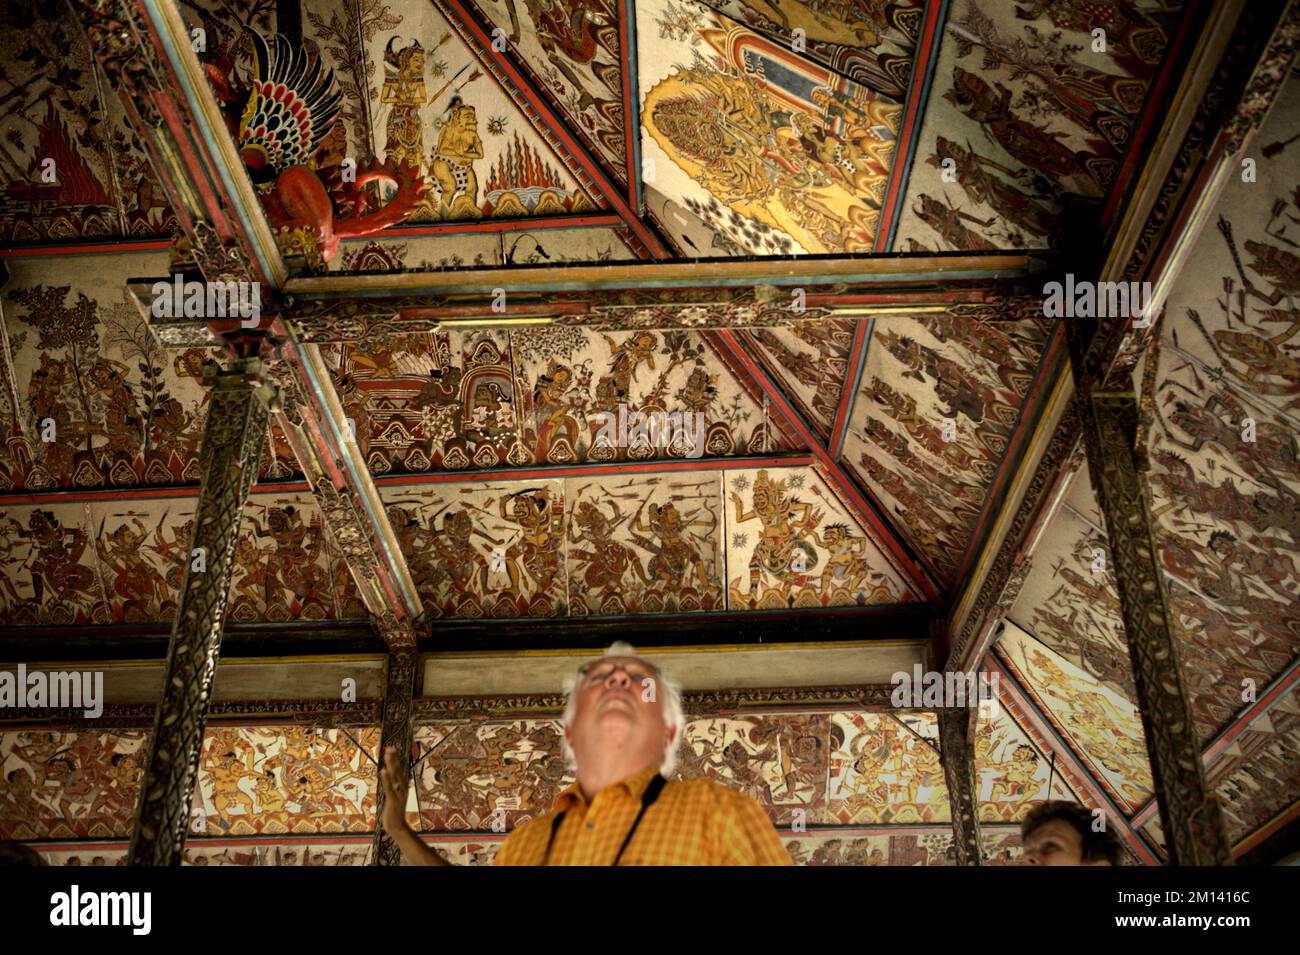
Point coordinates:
[(691, 823)]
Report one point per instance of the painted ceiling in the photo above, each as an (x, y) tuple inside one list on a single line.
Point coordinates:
[(852, 787), (844, 463), (1225, 483)]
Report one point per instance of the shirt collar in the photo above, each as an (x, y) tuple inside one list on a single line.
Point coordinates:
[(635, 786)]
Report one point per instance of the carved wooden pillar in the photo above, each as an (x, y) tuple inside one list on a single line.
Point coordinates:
[(1189, 812), (399, 691), (233, 440), (1116, 455), (958, 757)]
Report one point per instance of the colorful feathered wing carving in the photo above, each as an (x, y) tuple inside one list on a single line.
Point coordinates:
[(291, 107)]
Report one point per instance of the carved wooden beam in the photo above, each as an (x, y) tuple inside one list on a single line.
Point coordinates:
[(400, 689), (733, 293), (1189, 812)]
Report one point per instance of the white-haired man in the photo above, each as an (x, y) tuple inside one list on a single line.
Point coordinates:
[(622, 726)]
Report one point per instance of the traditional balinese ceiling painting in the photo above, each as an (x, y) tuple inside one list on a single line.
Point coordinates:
[(1258, 777), (1225, 477), (573, 53), (845, 768), (1069, 600), (1084, 709), (810, 361), (293, 780), (612, 544), (69, 785), (1224, 487), (936, 407), (90, 399), (411, 95), (869, 41), (456, 400), (71, 166), (124, 562), (274, 780), (257, 780), (779, 154), (1026, 108)]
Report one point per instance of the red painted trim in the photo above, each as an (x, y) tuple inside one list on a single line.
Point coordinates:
[(1154, 104), (628, 92), (1019, 700), (912, 573), (926, 49), (92, 248), (1281, 687), (856, 362), (494, 225), (755, 390), (1030, 409), (482, 50)]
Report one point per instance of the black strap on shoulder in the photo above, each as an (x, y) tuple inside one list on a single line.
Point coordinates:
[(648, 798)]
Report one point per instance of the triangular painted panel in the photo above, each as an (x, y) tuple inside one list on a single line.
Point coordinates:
[(573, 53)]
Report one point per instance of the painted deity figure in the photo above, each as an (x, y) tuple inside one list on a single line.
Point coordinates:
[(673, 556), (452, 163), (121, 425), (555, 399), (297, 547), (404, 92), (57, 566), (134, 578), (782, 518)]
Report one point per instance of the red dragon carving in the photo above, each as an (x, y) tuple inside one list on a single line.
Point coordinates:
[(284, 115)]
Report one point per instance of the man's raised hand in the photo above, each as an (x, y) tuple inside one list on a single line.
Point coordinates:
[(395, 786)]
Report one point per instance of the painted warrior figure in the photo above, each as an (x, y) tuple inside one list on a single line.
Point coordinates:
[(459, 558), (775, 551), (556, 396), (673, 555), (405, 93), (542, 523), (608, 560), (58, 553), (134, 578)]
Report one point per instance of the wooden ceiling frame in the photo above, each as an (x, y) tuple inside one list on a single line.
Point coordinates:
[(543, 472), (627, 40), (530, 101)]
